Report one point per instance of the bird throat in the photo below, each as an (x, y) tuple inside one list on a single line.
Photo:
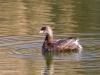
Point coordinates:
[(48, 40)]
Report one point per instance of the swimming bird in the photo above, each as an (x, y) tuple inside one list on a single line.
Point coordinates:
[(60, 45)]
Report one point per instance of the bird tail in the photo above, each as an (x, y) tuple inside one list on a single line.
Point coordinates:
[(77, 40), (77, 43)]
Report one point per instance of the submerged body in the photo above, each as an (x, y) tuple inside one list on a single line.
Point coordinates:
[(60, 45)]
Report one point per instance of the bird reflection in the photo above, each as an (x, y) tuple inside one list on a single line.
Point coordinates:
[(49, 69), (48, 56)]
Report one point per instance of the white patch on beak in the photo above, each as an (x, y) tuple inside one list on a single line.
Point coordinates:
[(41, 31)]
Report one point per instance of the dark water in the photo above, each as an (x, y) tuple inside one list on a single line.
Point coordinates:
[(20, 41)]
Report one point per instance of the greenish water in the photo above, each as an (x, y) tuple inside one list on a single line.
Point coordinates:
[(20, 41)]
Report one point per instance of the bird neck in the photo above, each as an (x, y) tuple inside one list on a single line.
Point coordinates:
[(48, 39)]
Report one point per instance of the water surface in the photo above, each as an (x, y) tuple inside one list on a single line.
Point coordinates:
[(20, 41)]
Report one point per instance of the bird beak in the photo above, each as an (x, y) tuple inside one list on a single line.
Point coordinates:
[(41, 31)]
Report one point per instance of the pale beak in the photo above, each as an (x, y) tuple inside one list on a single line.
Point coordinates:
[(41, 31)]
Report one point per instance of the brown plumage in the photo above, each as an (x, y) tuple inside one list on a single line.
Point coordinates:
[(60, 45)]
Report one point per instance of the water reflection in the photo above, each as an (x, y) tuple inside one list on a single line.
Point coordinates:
[(86, 16), (49, 69), (51, 57), (68, 16)]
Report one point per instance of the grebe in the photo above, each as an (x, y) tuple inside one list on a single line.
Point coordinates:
[(60, 45)]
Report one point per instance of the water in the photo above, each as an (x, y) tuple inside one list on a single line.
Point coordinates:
[(20, 41)]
